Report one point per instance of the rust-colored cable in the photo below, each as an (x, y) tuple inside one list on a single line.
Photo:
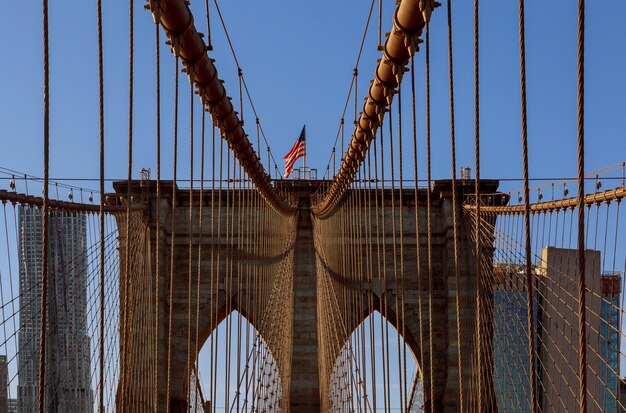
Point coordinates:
[(41, 391), (124, 304), (380, 24), (200, 223), (158, 210), (394, 245), (556, 205), (102, 255), (582, 336), (172, 242), (431, 348), (477, 251), (190, 241), (532, 373), (455, 207), (208, 25), (401, 312)]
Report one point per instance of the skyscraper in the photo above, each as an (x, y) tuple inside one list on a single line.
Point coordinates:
[(68, 382), (559, 336), (4, 381), (556, 324), (510, 344), (611, 287)]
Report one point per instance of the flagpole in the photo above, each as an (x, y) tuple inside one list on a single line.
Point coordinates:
[(304, 157)]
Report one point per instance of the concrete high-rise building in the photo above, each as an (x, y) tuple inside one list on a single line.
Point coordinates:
[(68, 368), (558, 354), (556, 325)]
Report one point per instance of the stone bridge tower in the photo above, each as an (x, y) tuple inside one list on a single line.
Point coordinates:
[(300, 239)]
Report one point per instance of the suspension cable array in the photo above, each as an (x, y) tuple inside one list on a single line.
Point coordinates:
[(409, 20), (369, 293), (177, 20)]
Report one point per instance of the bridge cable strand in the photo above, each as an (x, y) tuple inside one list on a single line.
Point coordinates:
[(418, 251), (385, 271), (431, 348), (41, 393), (102, 256), (483, 297), (190, 298), (380, 24), (404, 399), (228, 279), (199, 250), (532, 373), (370, 276), (214, 261), (394, 238), (220, 260), (582, 368), (124, 304), (455, 205), (157, 253), (172, 237), (208, 25)]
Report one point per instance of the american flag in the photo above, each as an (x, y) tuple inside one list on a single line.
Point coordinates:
[(297, 151)]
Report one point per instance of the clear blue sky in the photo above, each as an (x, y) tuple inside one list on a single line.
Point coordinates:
[(298, 58)]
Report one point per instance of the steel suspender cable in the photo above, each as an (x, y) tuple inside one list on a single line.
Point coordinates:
[(455, 212), (529, 275), (190, 247), (417, 225), (200, 228), (431, 351), (124, 304), (172, 242), (478, 251), (582, 337), (102, 256), (41, 391), (393, 238), (157, 278)]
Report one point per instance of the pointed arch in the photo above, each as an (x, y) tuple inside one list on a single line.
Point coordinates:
[(376, 367), (236, 367)]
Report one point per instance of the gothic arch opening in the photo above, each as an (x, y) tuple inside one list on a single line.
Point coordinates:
[(236, 371), (376, 370)]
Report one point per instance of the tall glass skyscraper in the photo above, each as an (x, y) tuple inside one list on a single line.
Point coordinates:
[(609, 341), (510, 343), (68, 381)]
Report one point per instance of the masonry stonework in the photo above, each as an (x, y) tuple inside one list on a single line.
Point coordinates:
[(229, 257)]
